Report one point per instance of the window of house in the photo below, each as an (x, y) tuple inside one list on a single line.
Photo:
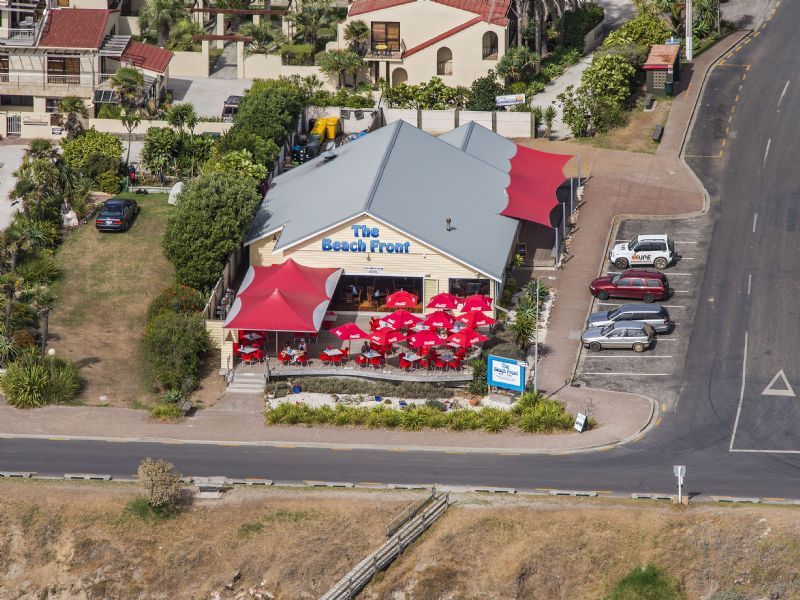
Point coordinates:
[(386, 34), (444, 61), (490, 46), (63, 69), (467, 287), (4, 68), (20, 101), (51, 104)]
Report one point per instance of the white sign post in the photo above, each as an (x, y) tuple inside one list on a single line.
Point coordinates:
[(689, 39), (680, 473)]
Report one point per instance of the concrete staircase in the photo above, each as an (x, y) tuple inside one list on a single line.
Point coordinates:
[(246, 382)]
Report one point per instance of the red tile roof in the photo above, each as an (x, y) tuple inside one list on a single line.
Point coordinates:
[(147, 56), (662, 56), (441, 36), (491, 11), (74, 28)]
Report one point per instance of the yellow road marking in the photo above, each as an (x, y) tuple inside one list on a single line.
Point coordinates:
[(369, 482), (744, 76), (756, 34), (455, 452), (724, 142), (229, 444), (730, 119), (398, 450), (777, 499), (544, 489), (171, 442), (737, 98), (340, 449), (722, 62), (58, 439), (285, 446), (738, 48), (733, 109), (114, 440), (740, 87), (509, 454), (727, 129), (747, 41), (604, 491), (604, 449), (658, 421), (721, 153), (700, 156)]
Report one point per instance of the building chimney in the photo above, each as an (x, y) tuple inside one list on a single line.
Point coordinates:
[(448, 220)]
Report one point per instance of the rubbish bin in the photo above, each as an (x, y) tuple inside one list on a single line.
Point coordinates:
[(668, 88)]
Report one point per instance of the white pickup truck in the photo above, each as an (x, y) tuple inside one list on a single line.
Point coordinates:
[(656, 250)]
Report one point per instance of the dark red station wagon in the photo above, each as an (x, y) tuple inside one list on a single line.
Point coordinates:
[(639, 284)]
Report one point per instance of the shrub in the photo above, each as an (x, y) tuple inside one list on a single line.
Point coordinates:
[(108, 182), (638, 34), (494, 420), (609, 77), (236, 162), (405, 389), (577, 23), (433, 94), (173, 397), (648, 582), (264, 151), (478, 385), (32, 381), (78, 151), (38, 268), (436, 405), (342, 97), (176, 298), (414, 420), (160, 483), (270, 109), (483, 92), (209, 224), (517, 63), (161, 148), (98, 164), (297, 54), (175, 345), (165, 411), (463, 419)]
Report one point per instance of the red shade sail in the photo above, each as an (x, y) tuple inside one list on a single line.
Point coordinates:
[(386, 336), (466, 337), (401, 299), (475, 319), (444, 301), (476, 302), (535, 177), (439, 319), (349, 331), (424, 338), (278, 311), (401, 318), (289, 276)]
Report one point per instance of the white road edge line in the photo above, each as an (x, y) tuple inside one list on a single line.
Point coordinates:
[(755, 220), (749, 282), (588, 356), (766, 152), (766, 451), (783, 93), (741, 394), (631, 374)]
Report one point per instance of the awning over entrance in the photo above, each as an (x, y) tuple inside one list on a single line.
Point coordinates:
[(535, 177), (284, 297)]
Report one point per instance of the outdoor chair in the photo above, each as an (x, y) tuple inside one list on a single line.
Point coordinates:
[(284, 358), (324, 358), (376, 362), (336, 361), (249, 359), (461, 352), (404, 364), (345, 356), (438, 363), (236, 350), (361, 360), (302, 360), (454, 364)]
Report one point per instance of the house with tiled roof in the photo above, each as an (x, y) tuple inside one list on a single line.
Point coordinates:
[(59, 48), (414, 40)]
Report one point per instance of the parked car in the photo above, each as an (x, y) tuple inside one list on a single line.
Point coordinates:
[(230, 107), (116, 214), (631, 335), (638, 284), (656, 250), (654, 315)]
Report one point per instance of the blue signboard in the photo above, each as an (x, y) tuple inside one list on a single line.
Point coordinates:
[(506, 373), (360, 245)]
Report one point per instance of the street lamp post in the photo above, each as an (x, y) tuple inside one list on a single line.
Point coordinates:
[(536, 335)]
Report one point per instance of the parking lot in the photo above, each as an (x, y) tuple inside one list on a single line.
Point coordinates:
[(655, 372)]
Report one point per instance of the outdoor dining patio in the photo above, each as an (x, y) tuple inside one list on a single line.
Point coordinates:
[(401, 345)]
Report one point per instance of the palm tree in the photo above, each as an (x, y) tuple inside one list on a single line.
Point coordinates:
[(182, 115), (341, 63), (266, 38), (42, 148), (129, 85), (357, 33), (7, 349), (11, 285), (74, 110), (43, 301), (314, 16), (159, 16), (130, 120), (181, 35)]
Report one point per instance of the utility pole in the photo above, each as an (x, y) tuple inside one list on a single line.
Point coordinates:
[(689, 40)]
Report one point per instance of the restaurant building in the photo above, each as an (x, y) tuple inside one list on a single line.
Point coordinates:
[(402, 209)]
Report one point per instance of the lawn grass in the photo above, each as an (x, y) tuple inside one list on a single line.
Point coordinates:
[(647, 583), (635, 135), (108, 281)]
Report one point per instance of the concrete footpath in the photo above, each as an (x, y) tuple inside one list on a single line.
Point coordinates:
[(620, 183)]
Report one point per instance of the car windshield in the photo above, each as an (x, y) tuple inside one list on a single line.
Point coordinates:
[(631, 244), (111, 210), (614, 313), (616, 278), (607, 329)]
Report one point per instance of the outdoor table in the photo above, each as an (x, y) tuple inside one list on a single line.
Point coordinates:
[(333, 352), (330, 318), (420, 327), (412, 357), (252, 337), (247, 349), (370, 354), (447, 356), (457, 326), (290, 352), (454, 344)]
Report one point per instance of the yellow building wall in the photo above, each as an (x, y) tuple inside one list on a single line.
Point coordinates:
[(421, 261)]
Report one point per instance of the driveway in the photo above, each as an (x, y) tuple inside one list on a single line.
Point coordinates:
[(207, 94), (10, 161)]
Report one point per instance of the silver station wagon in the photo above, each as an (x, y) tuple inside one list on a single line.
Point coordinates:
[(632, 335), (654, 315)]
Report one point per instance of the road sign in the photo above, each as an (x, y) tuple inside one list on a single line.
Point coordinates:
[(785, 388), (509, 99), (580, 422), (506, 373), (679, 471)]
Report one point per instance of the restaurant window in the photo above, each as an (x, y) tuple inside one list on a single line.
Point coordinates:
[(4, 68), (467, 287), (490, 45), (369, 292), (444, 61), (386, 34), (63, 69)]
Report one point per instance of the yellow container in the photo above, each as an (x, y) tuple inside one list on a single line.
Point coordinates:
[(319, 127), (333, 124)]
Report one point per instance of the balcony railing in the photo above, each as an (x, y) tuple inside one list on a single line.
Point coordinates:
[(3, 77), (32, 82), (64, 79), (28, 34), (384, 52)]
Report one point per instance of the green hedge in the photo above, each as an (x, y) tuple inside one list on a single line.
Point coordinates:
[(532, 414), (405, 389)]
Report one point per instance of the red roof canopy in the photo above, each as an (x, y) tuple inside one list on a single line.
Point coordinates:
[(535, 177), (283, 297), (147, 56)]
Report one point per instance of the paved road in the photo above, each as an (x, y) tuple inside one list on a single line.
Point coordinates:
[(747, 306)]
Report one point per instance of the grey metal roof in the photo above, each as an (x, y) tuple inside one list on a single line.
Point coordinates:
[(482, 143), (406, 178)]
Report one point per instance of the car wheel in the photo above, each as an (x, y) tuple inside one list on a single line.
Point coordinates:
[(603, 295), (595, 346), (621, 263), (661, 263), (649, 298), (638, 347)]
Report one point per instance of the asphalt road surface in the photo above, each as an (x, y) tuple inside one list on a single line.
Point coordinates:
[(734, 424)]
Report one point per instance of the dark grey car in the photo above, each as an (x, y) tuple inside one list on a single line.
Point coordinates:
[(654, 315), (631, 335)]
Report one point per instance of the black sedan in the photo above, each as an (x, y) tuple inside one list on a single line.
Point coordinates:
[(116, 214)]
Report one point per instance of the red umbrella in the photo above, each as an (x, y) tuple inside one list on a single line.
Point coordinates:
[(424, 338), (444, 301), (386, 336), (439, 319), (401, 318), (475, 319), (400, 299), (466, 337), (476, 302), (349, 331)]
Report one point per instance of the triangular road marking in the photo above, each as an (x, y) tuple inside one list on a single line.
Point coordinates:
[(784, 390)]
